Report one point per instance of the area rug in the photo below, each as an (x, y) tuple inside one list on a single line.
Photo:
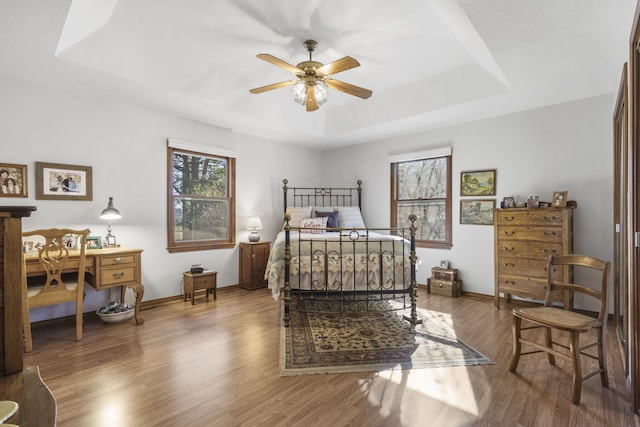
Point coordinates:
[(375, 337)]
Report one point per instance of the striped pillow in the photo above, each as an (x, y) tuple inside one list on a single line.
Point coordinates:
[(349, 217)]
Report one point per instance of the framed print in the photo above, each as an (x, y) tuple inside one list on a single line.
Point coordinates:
[(478, 183), (94, 242), (70, 241), (477, 211), (13, 180), (56, 181), (560, 199), (508, 202)]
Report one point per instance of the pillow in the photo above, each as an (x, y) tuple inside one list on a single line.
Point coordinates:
[(332, 217), (314, 225), (349, 217), (297, 213)]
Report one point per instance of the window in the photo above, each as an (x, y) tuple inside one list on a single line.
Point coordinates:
[(201, 201), (423, 187)]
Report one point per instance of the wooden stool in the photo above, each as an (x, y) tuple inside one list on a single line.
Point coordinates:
[(197, 281)]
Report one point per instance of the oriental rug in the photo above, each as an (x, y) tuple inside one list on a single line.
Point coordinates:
[(320, 340)]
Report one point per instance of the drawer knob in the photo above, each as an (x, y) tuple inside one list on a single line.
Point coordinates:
[(511, 249), (118, 274), (509, 218), (118, 259), (509, 233), (546, 233), (509, 264), (509, 282)]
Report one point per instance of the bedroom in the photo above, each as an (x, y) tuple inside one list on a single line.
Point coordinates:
[(564, 145)]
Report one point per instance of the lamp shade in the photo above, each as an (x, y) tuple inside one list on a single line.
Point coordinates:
[(254, 223), (110, 213)]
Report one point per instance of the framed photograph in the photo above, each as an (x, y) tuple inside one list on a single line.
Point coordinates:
[(94, 242), (13, 180), (477, 211), (70, 241), (508, 202), (56, 181), (444, 264), (559, 199), (478, 183)]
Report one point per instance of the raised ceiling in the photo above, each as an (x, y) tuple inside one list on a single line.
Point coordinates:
[(430, 63)]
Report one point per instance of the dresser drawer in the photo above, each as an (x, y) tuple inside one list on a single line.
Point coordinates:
[(526, 287), (545, 216), (106, 261), (524, 249), (110, 276), (540, 234), (527, 267)]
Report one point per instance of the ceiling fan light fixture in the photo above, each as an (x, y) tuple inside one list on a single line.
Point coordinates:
[(299, 92)]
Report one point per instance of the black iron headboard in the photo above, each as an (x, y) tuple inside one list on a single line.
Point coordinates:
[(322, 196)]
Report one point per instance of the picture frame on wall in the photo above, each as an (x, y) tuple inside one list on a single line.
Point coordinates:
[(477, 211), (55, 181), (560, 199), (13, 180), (478, 183)]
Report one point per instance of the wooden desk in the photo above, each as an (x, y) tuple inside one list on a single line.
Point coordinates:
[(106, 268)]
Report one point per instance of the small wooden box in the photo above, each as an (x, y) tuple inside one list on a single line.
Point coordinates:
[(445, 287), (450, 274)]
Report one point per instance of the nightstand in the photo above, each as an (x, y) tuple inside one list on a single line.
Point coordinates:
[(253, 263), (193, 282)]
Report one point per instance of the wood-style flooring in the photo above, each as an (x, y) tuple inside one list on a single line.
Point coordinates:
[(216, 364)]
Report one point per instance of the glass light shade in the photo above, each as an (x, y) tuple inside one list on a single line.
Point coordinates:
[(110, 213), (299, 91), (254, 223)]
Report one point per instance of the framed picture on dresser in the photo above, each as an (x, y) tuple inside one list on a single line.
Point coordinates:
[(13, 180)]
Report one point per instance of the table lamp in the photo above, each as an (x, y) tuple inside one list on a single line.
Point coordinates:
[(254, 224), (109, 214)]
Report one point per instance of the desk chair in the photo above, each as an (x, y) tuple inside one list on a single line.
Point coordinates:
[(53, 256), (575, 324)]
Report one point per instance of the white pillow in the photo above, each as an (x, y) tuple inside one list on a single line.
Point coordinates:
[(297, 213), (314, 225), (349, 217)]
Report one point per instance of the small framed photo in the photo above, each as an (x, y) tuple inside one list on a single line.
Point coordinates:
[(13, 180), (508, 202), (444, 264), (70, 241), (56, 181), (477, 211), (478, 183), (28, 246), (94, 242), (560, 199), (110, 240), (543, 204)]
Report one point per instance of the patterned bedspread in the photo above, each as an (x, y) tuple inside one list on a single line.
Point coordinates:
[(341, 261)]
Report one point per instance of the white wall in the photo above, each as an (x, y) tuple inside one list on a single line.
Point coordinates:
[(126, 148), (562, 147)]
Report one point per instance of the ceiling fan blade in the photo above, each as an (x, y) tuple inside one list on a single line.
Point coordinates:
[(342, 64), (348, 88), (312, 102), (273, 86), (279, 62)]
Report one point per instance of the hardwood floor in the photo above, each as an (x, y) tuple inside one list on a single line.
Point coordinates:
[(216, 364)]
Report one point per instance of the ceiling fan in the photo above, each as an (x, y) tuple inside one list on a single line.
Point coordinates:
[(309, 88)]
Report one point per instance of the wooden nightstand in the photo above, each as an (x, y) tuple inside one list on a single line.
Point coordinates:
[(253, 263), (193, 282)]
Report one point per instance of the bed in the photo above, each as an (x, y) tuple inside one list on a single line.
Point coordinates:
[(325, 252)]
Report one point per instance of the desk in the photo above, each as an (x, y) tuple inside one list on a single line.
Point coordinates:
[(106, 268)]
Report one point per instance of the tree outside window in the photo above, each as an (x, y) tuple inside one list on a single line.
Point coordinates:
[(423, 188), (201, 202)]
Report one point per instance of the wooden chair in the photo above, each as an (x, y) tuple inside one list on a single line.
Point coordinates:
[(54, 259), (549, 317)]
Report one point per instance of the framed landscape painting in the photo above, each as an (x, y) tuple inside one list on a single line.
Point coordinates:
[(13, 180), (477, 211), (56, 181), (478, 183)]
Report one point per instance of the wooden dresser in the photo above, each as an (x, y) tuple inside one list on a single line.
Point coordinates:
[(524, 238), (253, 263)]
